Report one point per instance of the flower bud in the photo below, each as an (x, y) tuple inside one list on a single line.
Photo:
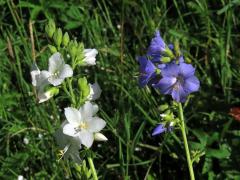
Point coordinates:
[(165, 59), (48, 94), (65, 39), (163, 107), (72, 49), (169, 53), (52, 48), (57, 37), (99, 137), (84, 87), (177, 48), (50, 28)]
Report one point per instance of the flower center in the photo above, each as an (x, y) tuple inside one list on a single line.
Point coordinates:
[(56, 73), (83, 125), (179, 82)]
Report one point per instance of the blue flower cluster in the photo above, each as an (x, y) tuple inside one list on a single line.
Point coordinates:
[(164, 68)]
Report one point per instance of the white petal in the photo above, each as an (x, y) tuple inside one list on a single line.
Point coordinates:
[(95, 91), (34, 72), (88, 110), (42, 79), (66, 71), (55, 63), (86, 138), (90, 56), (99, 137), (55, 81), (96, 124), (73, 116), (69, 130)]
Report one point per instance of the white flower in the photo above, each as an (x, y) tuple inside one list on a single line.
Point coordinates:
[(70, 145), (83, 123), (20, 177), (95, 92), (40, 81), (58, 70), (90, 56), (26, 140), (99, 137)]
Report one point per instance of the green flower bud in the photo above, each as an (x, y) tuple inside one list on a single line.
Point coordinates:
[(166, 59), (50, 28), (72, 48), (188, 60), (65, 39), (52, 48), (169, 53), (84, 87), (57, 37), (177, 48), (163, 107)]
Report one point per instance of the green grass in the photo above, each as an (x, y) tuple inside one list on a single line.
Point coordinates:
[(209, 34)]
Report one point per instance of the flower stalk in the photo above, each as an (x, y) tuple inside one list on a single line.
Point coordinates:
[(183, 130), (91, 164)]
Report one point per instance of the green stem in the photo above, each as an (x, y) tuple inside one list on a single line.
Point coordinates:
[(90, 161), (185, 141)]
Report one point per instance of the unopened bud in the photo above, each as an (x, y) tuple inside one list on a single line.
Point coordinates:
[(65, 39), (50, 28), (52, 48), (99, 137), (57, 37)]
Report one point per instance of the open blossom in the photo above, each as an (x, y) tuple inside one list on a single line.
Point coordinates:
[(95, 92), (70, 145), (82, 123), (90, 56), (147, 71), (178, 81), (40, 81), (58, 70)]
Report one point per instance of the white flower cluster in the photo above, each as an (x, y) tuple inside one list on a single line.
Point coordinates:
[(81, 126)]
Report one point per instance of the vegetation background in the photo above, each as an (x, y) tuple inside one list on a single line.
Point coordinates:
[(121, 30)]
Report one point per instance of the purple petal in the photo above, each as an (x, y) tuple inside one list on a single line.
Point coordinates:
[(161, 66), (165, 85), (191, 84), (144, 79), (171, 47), (181, 59), (158, 130), (146, 66), (186, 70), (171, 70), (178, 93), (157, 44)]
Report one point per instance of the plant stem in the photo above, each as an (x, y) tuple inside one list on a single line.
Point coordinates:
[(185, 141), (90, 161)]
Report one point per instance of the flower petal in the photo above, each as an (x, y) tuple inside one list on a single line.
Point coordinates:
[(157, 44), (69, 130), (88, 110), (55, 62), (165, 85), (191, 84), (55, 81), (96, 124), (95, 91), (170, 70), (90, 56), (66, 71), (178, 94), (73, 116), (158, 130), (86, 138), (186, 70)]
